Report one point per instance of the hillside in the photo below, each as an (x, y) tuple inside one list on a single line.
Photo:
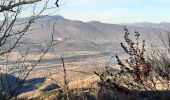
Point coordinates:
[(92, 36)]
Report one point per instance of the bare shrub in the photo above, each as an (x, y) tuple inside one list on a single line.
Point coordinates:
[(135, 72), (11, 38)]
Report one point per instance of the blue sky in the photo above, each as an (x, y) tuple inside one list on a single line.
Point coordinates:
[(115, 11)]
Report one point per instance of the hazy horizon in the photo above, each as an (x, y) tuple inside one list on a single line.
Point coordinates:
[(111, 11), (104, 21)]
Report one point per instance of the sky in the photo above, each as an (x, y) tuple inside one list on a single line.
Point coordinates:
[(114, 11)]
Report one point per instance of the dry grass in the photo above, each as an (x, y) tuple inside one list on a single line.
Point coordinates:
[(89, 82), (79, 78)]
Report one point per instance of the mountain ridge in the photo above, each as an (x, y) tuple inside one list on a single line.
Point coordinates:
[(86, 35)]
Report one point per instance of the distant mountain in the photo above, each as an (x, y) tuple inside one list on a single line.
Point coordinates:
[(93, 35), (162, 25)]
